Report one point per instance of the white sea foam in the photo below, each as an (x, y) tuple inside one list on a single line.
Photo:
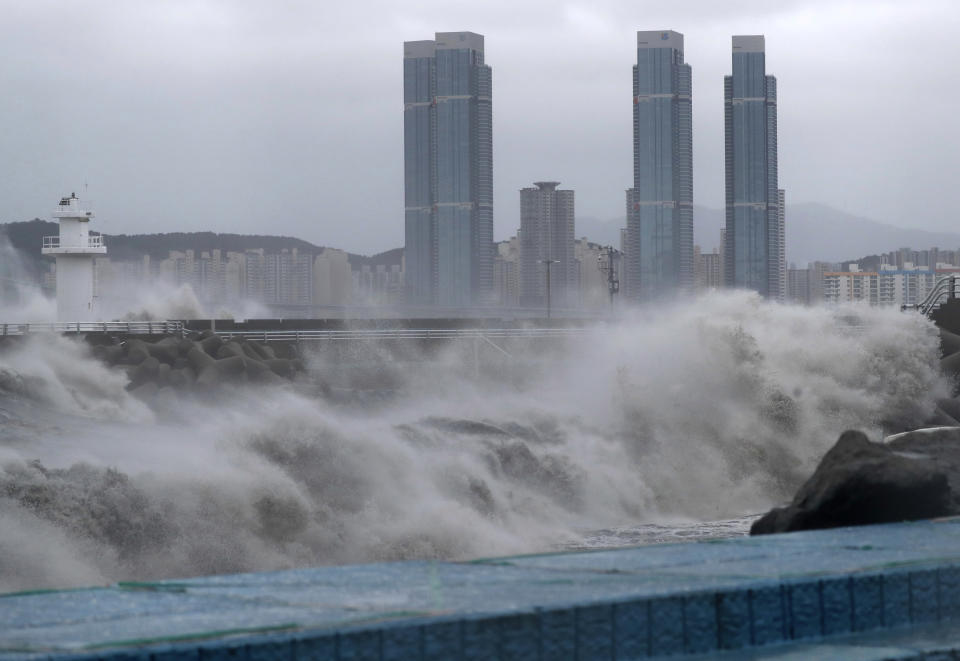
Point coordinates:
[(674, 415)]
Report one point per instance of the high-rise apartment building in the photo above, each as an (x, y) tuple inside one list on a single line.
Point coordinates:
[(754, 254), (506, 277), (659, 236), (547, 235), (782, 241), (448, 170)]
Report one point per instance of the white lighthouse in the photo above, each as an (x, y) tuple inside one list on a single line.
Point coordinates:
[(75, 251)]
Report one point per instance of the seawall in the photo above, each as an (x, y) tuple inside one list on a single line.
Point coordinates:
[(868, 592)]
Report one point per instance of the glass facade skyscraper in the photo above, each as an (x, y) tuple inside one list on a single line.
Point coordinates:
[(754, 239), (659, 236), (448, 170)]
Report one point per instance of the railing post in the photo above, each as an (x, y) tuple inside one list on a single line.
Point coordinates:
[(476, 356)]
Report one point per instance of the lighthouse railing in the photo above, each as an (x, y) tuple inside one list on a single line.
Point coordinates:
[(53, 242)]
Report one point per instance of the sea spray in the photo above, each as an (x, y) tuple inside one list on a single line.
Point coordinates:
[(694, 412), (22, 300)]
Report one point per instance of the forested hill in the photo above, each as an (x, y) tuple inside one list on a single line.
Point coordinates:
[(26, 238)]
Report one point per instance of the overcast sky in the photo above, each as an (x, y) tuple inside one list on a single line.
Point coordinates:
[(286, 117)]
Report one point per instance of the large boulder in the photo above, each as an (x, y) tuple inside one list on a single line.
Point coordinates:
[(951, 365), (949, 342), (860, 482), (942, 444)]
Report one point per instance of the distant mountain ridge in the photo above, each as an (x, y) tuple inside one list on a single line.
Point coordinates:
[(26, 237), (815, 232)]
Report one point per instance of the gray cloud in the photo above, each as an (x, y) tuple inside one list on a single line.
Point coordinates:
[(285, 117)]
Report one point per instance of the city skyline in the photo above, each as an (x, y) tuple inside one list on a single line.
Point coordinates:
[(235, 113)]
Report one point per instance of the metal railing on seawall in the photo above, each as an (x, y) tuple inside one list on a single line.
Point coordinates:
[(77, 327), (400, 334), (944, 289)]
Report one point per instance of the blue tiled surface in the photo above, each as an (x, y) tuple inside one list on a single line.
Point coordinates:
[(767, 595)]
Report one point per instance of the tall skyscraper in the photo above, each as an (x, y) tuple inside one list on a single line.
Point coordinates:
[(659, 237), (547, 233), (754, 253), (448, 170)]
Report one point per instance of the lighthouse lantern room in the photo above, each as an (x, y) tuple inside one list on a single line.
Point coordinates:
[(74, 250)]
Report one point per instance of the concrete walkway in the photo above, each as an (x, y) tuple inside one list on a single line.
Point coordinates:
[(890, 591)]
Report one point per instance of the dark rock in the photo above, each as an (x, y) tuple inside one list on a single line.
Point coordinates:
[(941, 444), (112, 355), (176, 363), (232, 365), (951, 365), (859, 482), (941, 418), (264, 351), (178, 378), (250, 352), (146, 371), (230, 350), (165, 353), (199, 359), (949, 342), (223, 372), (259, 372), (211, 344), (136, 352), (950, 406), (163, 374)]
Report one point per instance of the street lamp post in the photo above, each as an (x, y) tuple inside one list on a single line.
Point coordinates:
[(613, 282), (548, 262)]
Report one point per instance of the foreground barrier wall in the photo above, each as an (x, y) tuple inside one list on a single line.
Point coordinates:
[(696, 598)]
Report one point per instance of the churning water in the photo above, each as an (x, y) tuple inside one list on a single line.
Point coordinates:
[(642, 430)]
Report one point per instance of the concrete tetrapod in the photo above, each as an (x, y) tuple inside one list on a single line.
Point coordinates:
[(205, 363)]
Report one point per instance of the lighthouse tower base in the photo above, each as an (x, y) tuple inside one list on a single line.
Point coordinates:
[(75, 278)]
